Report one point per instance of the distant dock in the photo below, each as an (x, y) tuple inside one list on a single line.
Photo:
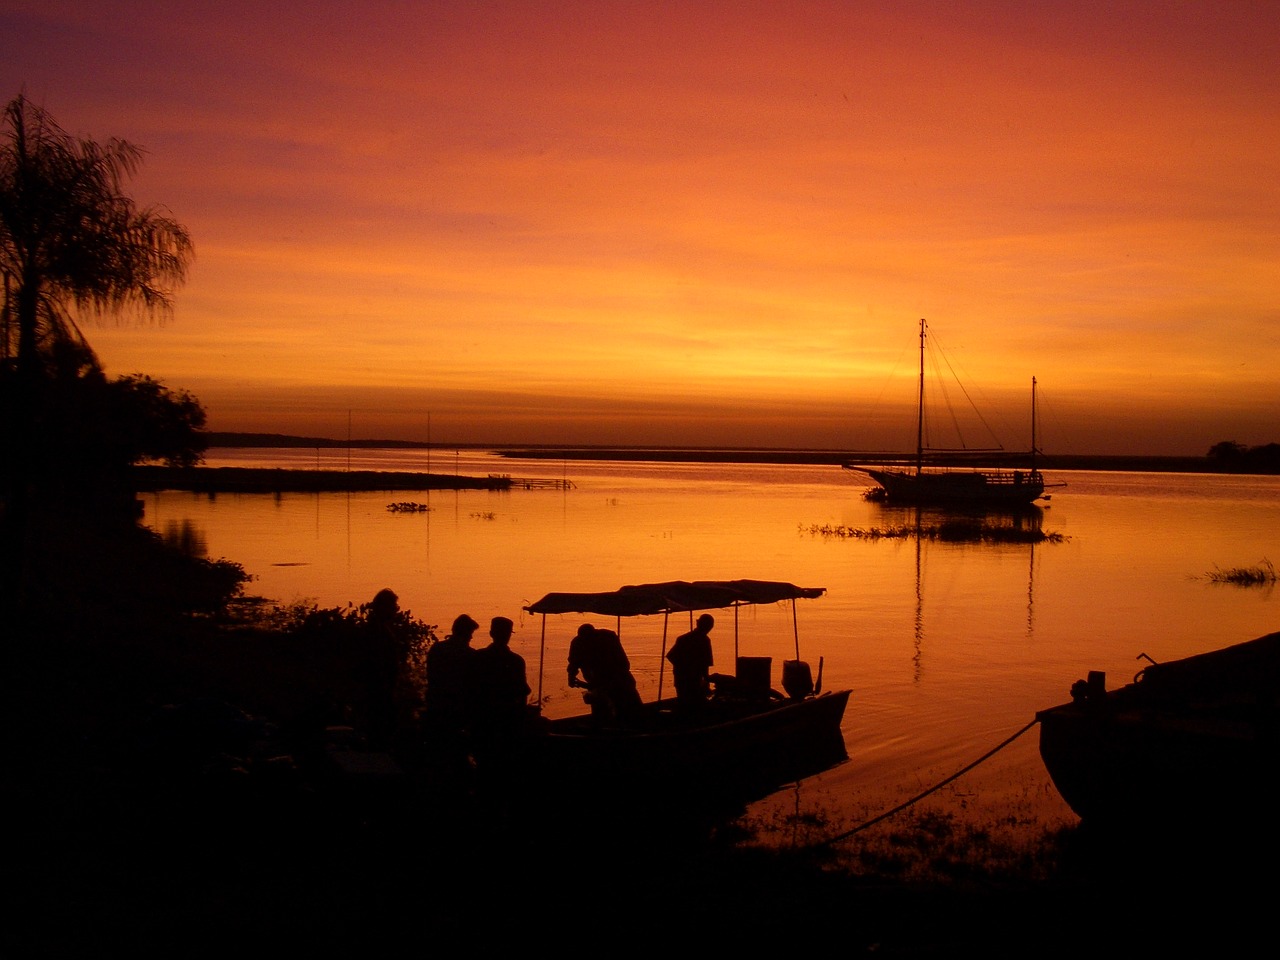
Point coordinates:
[(532, 483)]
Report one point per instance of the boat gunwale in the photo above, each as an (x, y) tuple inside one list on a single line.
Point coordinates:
[(767, 709)]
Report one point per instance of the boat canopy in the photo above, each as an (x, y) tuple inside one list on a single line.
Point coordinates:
[(647, 599)]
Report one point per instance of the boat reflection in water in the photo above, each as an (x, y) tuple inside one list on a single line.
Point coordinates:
[(1015, 526)]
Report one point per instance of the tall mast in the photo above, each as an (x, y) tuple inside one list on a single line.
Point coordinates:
[(1033, 425), (920, 408)]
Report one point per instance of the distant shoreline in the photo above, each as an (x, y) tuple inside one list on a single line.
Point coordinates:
[(1139, 464), (282, 480)]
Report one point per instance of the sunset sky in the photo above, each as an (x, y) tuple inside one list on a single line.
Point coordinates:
[(698, 222)]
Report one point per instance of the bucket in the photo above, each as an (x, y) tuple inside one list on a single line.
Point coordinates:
[(753, 674), (797, 679)]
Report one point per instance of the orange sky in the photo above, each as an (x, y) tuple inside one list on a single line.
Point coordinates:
[(695, 223)]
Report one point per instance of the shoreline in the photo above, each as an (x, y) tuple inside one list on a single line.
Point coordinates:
[(212, 480), (149, 479), (1141, 463), (1137, 464), (202, 479)]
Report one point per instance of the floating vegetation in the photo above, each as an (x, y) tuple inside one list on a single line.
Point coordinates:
[(487, 515), (1263, 574), (949, 531), (408, 506)]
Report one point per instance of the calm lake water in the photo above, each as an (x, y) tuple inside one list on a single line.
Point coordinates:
[(949, 648)]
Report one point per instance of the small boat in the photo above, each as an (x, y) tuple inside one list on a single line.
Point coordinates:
[(1196, 737), (931, 480), (749, 735)]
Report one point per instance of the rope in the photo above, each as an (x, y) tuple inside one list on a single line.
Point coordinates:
[(920, 796)]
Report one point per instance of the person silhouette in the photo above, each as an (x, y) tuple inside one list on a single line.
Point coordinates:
[(691, 659), (381, 663), (447, 705), (500, 689), (597, 654), (499, 696)]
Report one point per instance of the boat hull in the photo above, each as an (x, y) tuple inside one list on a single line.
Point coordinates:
[(1196, 737), (974, 488), (737, 748)]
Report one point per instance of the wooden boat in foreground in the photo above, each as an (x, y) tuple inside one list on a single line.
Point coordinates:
[(1196, 737), (748, 735)]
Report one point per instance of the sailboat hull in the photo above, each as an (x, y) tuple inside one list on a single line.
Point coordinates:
[(977, 488)]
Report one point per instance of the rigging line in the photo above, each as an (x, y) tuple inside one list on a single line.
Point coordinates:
[(936, 359), (920, 796), (945, 357), (878, 407)]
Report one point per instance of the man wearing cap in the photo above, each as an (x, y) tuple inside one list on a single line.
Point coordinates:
[(449, 680)]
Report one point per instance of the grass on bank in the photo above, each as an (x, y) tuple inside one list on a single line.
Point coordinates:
[(929, 845)]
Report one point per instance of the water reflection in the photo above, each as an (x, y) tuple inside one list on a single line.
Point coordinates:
[(948, 645), (1027, 520), (186, 537), (917, 658)]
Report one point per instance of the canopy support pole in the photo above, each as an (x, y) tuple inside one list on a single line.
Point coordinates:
[(735, 637), (542, 658), (662, 660), (795, 626)]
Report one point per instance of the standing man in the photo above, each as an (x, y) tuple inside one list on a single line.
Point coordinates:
[(499, 696), (381, 665), (691, 660), (448, 699), (500, 689)]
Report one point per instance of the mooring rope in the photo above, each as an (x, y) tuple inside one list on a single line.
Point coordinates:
[(920, 796)]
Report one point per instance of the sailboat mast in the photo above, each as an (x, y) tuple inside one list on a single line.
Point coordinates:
[(920, 408), (1033, 425)]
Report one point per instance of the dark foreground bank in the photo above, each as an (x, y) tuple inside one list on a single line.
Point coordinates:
[(98, 865)]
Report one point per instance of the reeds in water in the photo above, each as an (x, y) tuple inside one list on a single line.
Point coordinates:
[(949, 531), (1260, 575)]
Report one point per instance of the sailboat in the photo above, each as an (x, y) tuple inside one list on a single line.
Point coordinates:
[(928, 483)]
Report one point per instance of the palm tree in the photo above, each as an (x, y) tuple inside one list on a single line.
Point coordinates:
[(72, 245), (71, 240)]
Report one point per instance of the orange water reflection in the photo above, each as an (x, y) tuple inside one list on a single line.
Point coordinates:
[(948, 647)]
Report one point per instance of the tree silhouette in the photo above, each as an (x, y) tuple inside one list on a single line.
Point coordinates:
[(1234, 457), (73, 245), (71, 242), (1225, 451)]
